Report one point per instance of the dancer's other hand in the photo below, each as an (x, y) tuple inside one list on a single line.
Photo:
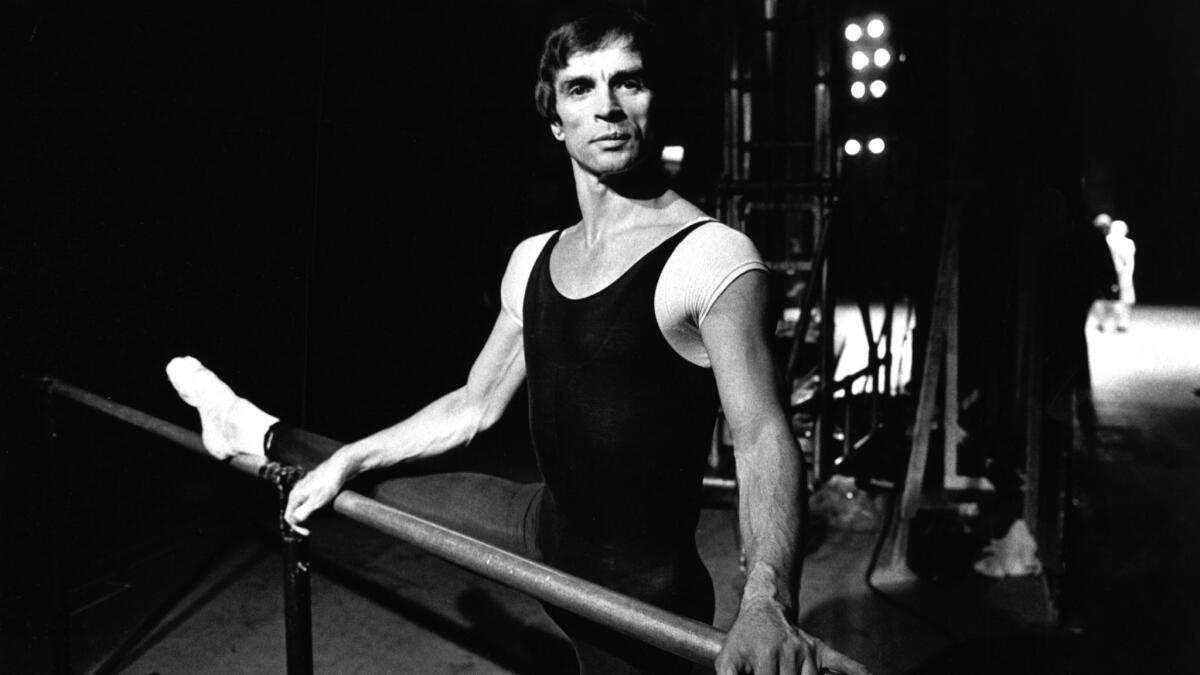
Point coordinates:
[(763, 642), (317, 489)]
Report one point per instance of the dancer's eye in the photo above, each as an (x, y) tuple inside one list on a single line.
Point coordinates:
[(576, 88), (633, 84)]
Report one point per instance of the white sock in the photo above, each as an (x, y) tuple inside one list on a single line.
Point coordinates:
[(229, 424)]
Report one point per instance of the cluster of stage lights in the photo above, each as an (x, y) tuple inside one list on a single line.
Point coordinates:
[(868, 48), (869, 52)]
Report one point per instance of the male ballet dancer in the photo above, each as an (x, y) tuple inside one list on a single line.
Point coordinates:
[(629, 328)]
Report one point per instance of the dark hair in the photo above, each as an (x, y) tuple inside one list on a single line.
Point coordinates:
[(590, 32)]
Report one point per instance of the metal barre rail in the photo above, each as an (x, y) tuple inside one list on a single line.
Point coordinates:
[(690, 639)]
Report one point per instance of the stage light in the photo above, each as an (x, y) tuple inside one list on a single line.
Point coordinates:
[(858, 90), (882, 57), (853, 147), (859, 60), (878, 88), (876, 145), (853, 32), (875, 28), (672, 153)]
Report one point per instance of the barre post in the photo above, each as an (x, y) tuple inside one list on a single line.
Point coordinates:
[(296, 560), (59, 633), (297, 595)]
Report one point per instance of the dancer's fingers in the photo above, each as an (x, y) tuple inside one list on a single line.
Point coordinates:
[(295, 512), (833, 661)]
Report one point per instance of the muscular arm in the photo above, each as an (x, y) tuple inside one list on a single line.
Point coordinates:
[(452, 420), (449, 422), (772, 500), (769, 463)]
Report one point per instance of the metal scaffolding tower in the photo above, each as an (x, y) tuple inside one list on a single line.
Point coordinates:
[(777, 183)]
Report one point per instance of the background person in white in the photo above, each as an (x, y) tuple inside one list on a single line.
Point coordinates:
[(1123, 251)]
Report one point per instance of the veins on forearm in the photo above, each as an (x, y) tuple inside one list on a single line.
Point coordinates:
[(773, 514)]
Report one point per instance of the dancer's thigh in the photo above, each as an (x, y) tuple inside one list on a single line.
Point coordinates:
[(494, 510)]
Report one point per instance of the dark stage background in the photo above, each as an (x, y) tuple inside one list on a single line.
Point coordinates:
[(318, 199)]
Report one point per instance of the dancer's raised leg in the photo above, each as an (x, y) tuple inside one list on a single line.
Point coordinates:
[(230, 424)]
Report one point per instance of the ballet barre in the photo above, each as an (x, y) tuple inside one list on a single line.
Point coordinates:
[(684, 637)]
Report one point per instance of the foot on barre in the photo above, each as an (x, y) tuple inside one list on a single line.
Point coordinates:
[(229, 424)]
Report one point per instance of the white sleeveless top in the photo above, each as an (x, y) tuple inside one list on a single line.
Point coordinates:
[(700, 268)]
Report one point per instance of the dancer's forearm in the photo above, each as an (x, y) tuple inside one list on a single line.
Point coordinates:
[(772, 501), (449, 422), (452, 420)]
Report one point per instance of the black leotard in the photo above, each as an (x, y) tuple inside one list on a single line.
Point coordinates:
[(621, 425)]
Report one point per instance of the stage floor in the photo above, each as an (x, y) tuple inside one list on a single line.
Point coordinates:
[(1139, 532)]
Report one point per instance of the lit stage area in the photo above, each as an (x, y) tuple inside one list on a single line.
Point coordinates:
[(1139, 531), (1154, 366), (851, 346)]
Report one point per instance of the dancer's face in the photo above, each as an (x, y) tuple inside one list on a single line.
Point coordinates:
[(603, 106)]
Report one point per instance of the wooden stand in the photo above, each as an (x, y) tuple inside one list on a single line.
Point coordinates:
[(893, 566)]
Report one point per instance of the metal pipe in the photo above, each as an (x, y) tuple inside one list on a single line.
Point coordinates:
[(848, 381), (807, 301), (681, 636), (186, 438), (847, 401), (251, 464), (55, 472), (297, 605), (825, 367), (297, 596), (684, 637), (888, 318)]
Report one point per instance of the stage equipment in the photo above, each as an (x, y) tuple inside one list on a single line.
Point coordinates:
[(869, 54)]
